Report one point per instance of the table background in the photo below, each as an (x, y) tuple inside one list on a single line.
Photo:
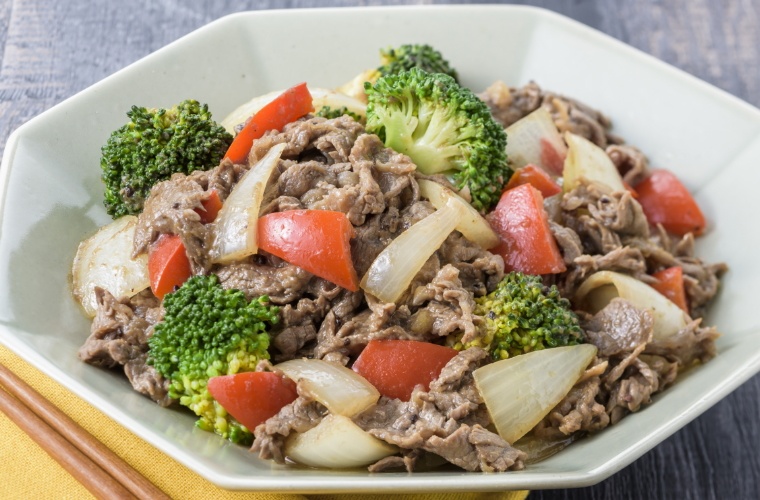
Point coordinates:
[(50, 50)]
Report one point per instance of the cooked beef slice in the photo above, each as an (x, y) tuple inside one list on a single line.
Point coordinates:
[(693, 343), (119, 337), (281, 282), (630, 162), (171, 209), (448, 420), (701, 280), (299, 416), (619, 381), (508, 105)]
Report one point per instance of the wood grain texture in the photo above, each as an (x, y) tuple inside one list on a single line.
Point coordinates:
[(51, 50)]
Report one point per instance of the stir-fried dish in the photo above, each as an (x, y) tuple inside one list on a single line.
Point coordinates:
[(435, 274)]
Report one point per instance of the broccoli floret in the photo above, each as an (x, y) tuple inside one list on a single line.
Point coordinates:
[(209, 331), (523, 315), (444, 128), (329, 113), (406, 57), (155, 144), (396, 60)]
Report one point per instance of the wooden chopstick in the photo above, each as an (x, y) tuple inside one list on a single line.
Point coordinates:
[(99, 469)]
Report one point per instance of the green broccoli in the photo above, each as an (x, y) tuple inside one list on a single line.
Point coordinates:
[(396, 60), (209, 331), (523, 315), (408, 56), (155, 144), (444, 128), (328, 112)]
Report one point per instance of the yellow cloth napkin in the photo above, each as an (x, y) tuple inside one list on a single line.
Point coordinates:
[(28, 472)]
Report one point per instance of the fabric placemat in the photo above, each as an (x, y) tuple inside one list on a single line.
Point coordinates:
[(28, 472)]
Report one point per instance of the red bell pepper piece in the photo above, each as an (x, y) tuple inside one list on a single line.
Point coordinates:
[(666, 201), (395, 367), (168, 265), (285, 108), (670, 284), (551, 157), (252, 397), (527, 243), (315, 240), (536, 177), (211, 207)]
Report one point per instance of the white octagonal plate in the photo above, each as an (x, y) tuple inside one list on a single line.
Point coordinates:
[(51, 197)]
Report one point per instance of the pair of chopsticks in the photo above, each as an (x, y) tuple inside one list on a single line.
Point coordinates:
[(99, 469)]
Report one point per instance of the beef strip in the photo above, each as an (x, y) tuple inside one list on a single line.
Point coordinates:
[(171, 209), (617, 382), (508, 105), (119, 337), (448, 420), (299, 416), (630, 162), (281, 282)]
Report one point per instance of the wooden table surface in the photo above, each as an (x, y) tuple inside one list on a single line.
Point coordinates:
[(50, 50)]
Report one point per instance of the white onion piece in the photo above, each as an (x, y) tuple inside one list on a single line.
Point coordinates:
[(586, 160), (105, 260), (355, 86), (601, 287), (320, 99), (520, 391), (235, 227), (393, 270), (336, 443), (340, 389), (473, 226), (535, 139)]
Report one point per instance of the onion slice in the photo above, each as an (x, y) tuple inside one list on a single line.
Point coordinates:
[(336, 443), (520, 391), (105, 260), (320, 99), (601, 287), (393, 270), (340, 389), (235, 227), (586, 160), (473, 226), (535, 140)]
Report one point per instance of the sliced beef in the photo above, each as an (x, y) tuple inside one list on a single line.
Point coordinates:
[(280, 281), (701, 279), (171, 209), (603, 220), (119, 337), (299, 416), (508, 105), (618, 328), (630, 162), (315, 137), (693, 343), (448, 420)]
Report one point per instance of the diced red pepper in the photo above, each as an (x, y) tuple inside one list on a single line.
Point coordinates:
[(318, 241), (666, 201), (168, 265), (527, 243), (551, 157), (670, 284), (252, 397), (211, 207), (395, 367), (285, 108), (536, 177)]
